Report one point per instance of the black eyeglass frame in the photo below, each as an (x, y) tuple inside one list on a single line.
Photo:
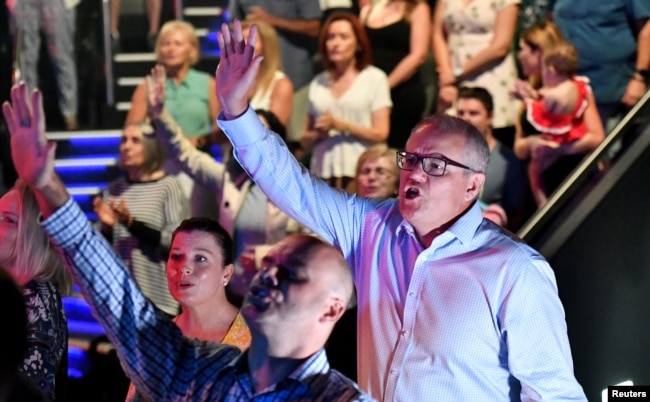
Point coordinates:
[(400, 155)]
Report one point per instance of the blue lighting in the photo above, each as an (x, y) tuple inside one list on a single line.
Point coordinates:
[(78, 362), (96, 141), (84, 168)]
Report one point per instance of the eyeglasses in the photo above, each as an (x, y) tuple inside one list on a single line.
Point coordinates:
[(432, 165)]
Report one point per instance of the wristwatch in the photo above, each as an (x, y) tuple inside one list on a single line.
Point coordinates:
[(458, 72), (642, 75)]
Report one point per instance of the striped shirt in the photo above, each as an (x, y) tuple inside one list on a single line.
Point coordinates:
[(164, 365), (473, 317), (160, 205)]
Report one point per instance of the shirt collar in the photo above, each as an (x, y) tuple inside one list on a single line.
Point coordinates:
[(314, 365), (463, 229)]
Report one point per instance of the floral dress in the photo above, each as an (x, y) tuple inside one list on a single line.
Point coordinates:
[(47, 334), (470, 29)]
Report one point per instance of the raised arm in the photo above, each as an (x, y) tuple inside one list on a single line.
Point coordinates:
[(332, 214), (138, 111), (171, 365), (200, 166)]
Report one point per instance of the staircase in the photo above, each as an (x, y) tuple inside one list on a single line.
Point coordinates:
[(129, 69), (87, 161)]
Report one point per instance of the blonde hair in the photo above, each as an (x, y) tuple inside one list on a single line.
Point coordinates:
[(190, 34), (270, 50), (375, 153), (541, 37), (36, 257), (563, 57)]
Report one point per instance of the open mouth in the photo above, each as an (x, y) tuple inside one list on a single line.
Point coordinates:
[(411, 193), (258, 296), (184, 285)]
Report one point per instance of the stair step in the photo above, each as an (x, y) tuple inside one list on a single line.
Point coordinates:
[(223, 4), (210, 22), (202, 11)]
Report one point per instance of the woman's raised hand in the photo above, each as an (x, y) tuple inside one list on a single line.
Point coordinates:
[(156, 91)]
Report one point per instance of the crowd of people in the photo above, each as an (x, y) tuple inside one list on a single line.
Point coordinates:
[(336, 189)]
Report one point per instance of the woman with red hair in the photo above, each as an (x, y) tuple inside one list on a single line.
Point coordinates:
[(349, 103)]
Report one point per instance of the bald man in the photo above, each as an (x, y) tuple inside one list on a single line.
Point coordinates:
[(291, 307)]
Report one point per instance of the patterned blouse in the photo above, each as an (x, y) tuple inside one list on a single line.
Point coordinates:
[(47, 334)]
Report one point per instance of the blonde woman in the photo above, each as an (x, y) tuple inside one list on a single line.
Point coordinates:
[(554, 162), (377, 173), (273, 91), (191, 97), (191, 101), (29, 257)]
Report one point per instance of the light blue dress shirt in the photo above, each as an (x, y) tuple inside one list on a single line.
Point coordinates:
[(474, 317)]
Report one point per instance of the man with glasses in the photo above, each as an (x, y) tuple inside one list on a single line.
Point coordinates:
[(451, 308)]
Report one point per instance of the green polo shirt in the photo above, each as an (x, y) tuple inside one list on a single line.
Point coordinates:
[(189, 103)]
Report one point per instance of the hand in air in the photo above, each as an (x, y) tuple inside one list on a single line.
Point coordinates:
[(156, 91), (32, 153), (237, 69)]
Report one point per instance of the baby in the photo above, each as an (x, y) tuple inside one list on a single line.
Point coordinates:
[(557, 109)]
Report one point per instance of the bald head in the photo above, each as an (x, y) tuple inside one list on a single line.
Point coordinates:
[(330, 267)]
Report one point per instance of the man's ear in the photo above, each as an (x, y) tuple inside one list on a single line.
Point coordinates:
[(474, 185), (334, 311)]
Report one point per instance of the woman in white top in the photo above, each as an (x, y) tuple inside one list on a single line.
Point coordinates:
[(349, 103)]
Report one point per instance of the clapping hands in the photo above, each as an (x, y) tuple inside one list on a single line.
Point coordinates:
[(113, 212)]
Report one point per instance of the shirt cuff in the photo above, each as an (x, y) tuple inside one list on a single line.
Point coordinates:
[(244, 130), (66, 225)]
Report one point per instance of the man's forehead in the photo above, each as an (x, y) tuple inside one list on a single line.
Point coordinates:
[(431, 139)]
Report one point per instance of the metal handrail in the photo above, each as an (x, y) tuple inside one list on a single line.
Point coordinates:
[(580, 174), (108, 54)]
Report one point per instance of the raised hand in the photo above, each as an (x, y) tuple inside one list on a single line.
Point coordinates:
[(156, 91), (237, 69), (32, 154)]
